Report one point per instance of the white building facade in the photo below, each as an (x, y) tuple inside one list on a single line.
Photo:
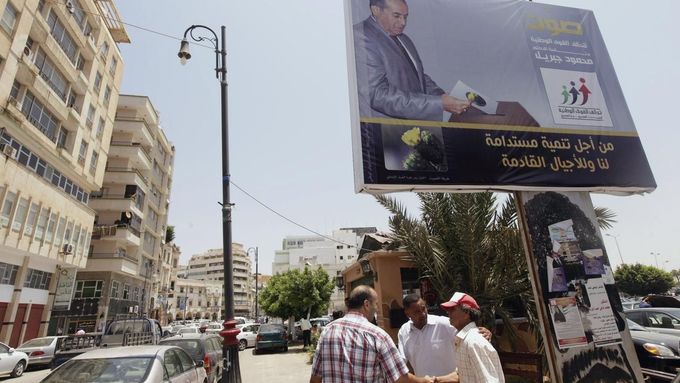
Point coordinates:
[(333, 256)]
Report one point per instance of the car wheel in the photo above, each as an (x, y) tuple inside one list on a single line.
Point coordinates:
[(254, 351), (18, 369), (242, 344)]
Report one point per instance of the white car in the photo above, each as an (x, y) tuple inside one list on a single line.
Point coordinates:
[(247, 336), (12, 362), (133, 364)]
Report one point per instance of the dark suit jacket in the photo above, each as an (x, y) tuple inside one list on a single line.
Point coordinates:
[(387, 83)]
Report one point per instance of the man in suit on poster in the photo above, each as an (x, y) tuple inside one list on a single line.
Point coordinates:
[(390, 74)]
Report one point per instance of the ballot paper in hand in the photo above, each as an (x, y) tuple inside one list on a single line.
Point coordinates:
[(464, 92)]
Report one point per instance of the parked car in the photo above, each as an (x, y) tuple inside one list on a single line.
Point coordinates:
[(271, 336), (247, 336), (188, 330), (12, 362), (629, 305), (40, 351), (201, 347), (656, 351), (240, 320), (133, 364), (660, 319)]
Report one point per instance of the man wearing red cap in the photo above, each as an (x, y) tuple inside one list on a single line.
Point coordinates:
[(477, 359)]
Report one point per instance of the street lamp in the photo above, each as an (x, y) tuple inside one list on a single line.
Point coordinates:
[(231, 369), (656, 260), (257, 315), (617, 246)]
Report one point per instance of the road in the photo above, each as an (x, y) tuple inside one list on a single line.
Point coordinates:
[(277, 367)]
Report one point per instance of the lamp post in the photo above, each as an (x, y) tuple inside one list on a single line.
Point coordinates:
[(617, 246), (656, 260), (257, 315), (231, 370)]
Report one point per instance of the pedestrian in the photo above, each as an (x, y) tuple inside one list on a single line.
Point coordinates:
[(351, 349), (306, 327), (427, 341), (478, 361), (645, 303), (80, 332)]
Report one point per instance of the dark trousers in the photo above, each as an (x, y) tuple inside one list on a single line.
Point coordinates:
[(307, 337)]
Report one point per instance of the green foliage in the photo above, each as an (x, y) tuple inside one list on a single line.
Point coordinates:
[(640, 279), (169, 234), (676, 274), (294, 292)]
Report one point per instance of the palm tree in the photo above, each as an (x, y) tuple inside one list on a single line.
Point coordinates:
[(471, 242)]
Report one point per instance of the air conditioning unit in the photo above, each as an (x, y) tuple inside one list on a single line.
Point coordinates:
[(67, 249), (28, 53), (8, 151)]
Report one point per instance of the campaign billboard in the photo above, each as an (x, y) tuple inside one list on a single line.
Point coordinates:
[(487, 95)]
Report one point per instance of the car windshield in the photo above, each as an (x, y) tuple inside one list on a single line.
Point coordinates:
[(271, 328), (188, 330), (128, 370), (127, 327), (192, 347), (37, 342), (634, 326)]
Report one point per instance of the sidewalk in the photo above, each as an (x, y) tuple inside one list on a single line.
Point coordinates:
[(283, 367)]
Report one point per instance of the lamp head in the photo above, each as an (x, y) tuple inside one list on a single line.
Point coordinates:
[(183, 53)]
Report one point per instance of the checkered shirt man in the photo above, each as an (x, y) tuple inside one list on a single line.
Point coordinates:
[(352, 350)]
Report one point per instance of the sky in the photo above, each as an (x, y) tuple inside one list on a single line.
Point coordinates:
[(289, 124)]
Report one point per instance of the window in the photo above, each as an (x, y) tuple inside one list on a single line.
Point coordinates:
[(90, 116), (113, 66), (39, 116), (100, 128), (115, 286), (30, 222), (50, 227), (7, 208), (104, 51), (68, 233), (76, 238), (107, 95), (14, 93), (88, 289), (62, 138), (51, 75), (126, 291), (82, 153), (135, 293), (38, 279), (62, 37), (9, 18), (8, 273), (42, 222), (60, 231), (93, 162), (97, 82), (20, 215)]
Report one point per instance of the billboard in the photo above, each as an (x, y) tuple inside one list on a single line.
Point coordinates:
[(65, 284), (478, 95)]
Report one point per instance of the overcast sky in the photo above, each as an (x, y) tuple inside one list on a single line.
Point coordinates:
[(289, 134)]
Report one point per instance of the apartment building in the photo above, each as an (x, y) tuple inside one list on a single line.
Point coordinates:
[(125, 260), (332, 254), (164, 287), (60, 72), (210, 266), (196, 299)]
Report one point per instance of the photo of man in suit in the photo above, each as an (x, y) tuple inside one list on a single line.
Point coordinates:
[(391, 78)]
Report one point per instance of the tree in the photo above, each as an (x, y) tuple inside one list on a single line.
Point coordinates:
[(676, 274), (169, 234), (640, 279), (295, 292)]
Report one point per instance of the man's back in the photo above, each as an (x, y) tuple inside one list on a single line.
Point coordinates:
[(351, 349)]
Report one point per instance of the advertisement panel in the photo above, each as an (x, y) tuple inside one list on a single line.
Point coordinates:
[(478, 95), (576, 295), (65, 285)]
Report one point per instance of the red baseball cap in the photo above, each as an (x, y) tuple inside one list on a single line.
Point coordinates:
[(460, 299)]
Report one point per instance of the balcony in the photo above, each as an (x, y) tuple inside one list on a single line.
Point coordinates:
[(114, 202), (120, 233), (125, 176), (132, 151), (112, 262), (136, 128)]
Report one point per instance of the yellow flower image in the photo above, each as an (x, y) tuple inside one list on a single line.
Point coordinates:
[(411, 137)]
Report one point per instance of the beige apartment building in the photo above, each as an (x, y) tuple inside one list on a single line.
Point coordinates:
[(210, 266), (60, 72), (125, 260), (163, 289), (196, 299)]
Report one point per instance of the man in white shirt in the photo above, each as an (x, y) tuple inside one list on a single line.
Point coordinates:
[(478, 361), (427, 341), (306, 327)]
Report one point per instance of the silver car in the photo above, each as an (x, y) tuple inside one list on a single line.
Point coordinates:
[(133, 364), (12, 362), (40, 350)]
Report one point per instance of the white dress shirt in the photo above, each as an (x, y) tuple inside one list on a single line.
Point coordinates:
[(430, 351), (478, 361)]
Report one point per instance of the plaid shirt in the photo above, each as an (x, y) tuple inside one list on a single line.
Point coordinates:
[(352, 350)]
